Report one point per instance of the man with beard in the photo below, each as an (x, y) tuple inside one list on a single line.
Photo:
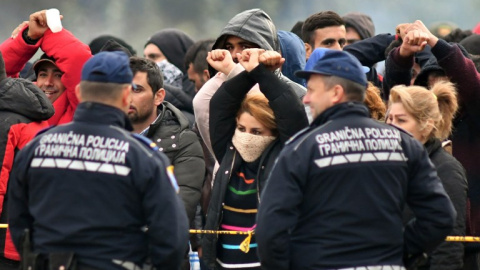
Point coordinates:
[(58, 70), (196, 63), (166, 126)]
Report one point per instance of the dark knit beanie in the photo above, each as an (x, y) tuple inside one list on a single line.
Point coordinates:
[(112, 46), (471, 44), (174, 45), (98, 43)]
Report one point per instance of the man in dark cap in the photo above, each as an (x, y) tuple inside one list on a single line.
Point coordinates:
[(57, 71), (91, 194), (334, 199)]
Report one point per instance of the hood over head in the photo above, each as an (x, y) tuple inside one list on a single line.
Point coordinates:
[(293, 50), (428, 63), (362, 23), (174, 45), (253, 25)]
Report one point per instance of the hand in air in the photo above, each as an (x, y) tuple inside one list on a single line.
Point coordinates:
[(221, 60)]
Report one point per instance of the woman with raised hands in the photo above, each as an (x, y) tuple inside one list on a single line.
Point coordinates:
[(247, 132)]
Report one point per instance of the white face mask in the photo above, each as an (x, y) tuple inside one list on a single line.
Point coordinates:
[(250, 146)]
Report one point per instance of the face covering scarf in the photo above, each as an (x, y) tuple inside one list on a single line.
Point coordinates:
[(171, 74), (249, 146)]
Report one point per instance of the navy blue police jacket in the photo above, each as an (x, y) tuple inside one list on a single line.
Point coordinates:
[(93, 188), (336, 194)]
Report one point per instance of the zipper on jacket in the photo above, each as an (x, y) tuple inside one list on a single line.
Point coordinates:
[(229, 176)]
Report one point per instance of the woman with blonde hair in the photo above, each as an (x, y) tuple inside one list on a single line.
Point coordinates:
[(247, 132), (428, 115)]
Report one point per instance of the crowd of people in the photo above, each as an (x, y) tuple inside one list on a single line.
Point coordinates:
[(324, 147)]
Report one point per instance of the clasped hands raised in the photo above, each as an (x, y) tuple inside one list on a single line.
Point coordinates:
[(415, 37), (222, 60)]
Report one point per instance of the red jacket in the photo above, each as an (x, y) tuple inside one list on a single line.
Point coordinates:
[(24, 110), (69, 53)]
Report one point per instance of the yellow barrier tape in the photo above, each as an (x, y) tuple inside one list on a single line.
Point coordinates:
[(245, 245), (462, 239), (221, 232)]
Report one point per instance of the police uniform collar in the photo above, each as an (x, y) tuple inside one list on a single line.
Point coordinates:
[(339, 110), (99, 113)]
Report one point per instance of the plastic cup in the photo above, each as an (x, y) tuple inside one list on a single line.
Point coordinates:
[(53, 20)]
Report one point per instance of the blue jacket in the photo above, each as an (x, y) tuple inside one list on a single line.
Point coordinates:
[(92, 188), (293, 50), (336, 195)]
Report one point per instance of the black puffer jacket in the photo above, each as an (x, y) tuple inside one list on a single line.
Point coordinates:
[(171, 133), (24, 111), (181, 100), (448, 255)]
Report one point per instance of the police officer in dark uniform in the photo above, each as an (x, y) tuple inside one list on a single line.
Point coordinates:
[(90, 192), (334, 199)]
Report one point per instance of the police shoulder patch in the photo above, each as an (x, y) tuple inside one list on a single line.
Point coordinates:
[(146, 141)]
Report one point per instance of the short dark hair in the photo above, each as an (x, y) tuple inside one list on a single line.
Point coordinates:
[(101, 91), (297, 29), (353, 91), (154, 74), (317, 21), (197, 55)]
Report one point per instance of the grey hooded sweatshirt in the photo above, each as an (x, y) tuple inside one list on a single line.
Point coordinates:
[(255, 26)]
